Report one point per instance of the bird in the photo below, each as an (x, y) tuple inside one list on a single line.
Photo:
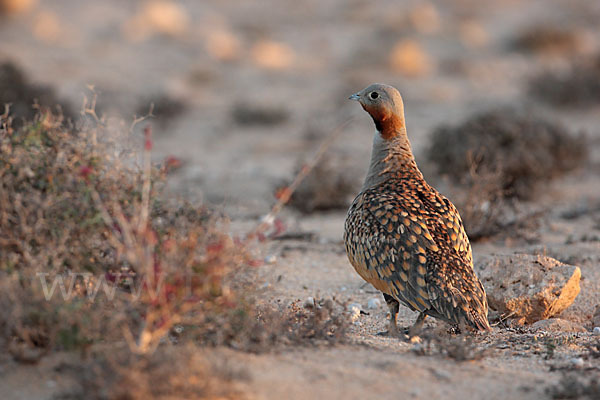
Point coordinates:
[(405, 238)]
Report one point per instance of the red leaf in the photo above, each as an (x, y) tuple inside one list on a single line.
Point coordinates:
[(85, 171)]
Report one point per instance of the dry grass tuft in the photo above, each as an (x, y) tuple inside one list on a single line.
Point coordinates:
[(502, 157), (328, 187), (262, 329), (165, 108), (548, 39), (577, 87), (171, 372), (459, 348), (573, 386), (16, 90), (247, 114), (519, 151)]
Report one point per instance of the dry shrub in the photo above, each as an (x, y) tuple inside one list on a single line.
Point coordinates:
[(518, 150), (482, 205), (122, 261), (577, 87), (163, 107), (329, 186), (548, 39), (498, 158), (262, 329), (171, 372), (460, 348), (574, 386), (95, 259), (126, 271), (16, 90), (259, 114)]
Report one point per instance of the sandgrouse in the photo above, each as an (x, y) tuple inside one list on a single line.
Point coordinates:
[(405, 238)]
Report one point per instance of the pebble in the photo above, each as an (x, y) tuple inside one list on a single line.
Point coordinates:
[(415, 340), (596, 331), (309, 302), (354, 309), (328, 304), (373, 303), (577, 362), (271, 259), (441, 374)]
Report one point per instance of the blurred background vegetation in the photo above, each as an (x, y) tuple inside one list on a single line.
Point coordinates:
[(242, 91)]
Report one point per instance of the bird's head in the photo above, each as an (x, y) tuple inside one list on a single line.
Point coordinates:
[(384, 104)]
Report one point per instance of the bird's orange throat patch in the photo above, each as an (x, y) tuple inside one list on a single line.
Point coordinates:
[(390, 127), (386, 122)]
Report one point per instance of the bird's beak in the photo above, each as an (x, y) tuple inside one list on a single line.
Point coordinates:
[(355, 96)]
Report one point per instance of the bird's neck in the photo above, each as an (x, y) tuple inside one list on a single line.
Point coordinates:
[(391, 158)]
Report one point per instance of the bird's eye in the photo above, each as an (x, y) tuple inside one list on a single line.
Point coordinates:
[(373, 95)]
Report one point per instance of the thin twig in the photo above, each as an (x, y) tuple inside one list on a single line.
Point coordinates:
[(144, 212), (286, 194)]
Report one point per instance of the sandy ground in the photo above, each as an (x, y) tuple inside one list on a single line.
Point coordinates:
[(324, 51)]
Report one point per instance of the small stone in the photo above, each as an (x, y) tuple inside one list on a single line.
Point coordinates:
[(309, 302), (343, 288), (354, 310), (441, 374), (577, 362), (271, 259), (373, 303), (596, 331), (415, 340)]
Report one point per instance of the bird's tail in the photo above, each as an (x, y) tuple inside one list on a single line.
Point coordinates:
[(458, 295), (475, 308)]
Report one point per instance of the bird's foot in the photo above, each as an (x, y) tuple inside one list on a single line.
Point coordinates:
[(393, 331), (402, 333)]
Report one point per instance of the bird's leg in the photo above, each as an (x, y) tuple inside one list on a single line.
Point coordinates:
[(416, 328), (393, 306)]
